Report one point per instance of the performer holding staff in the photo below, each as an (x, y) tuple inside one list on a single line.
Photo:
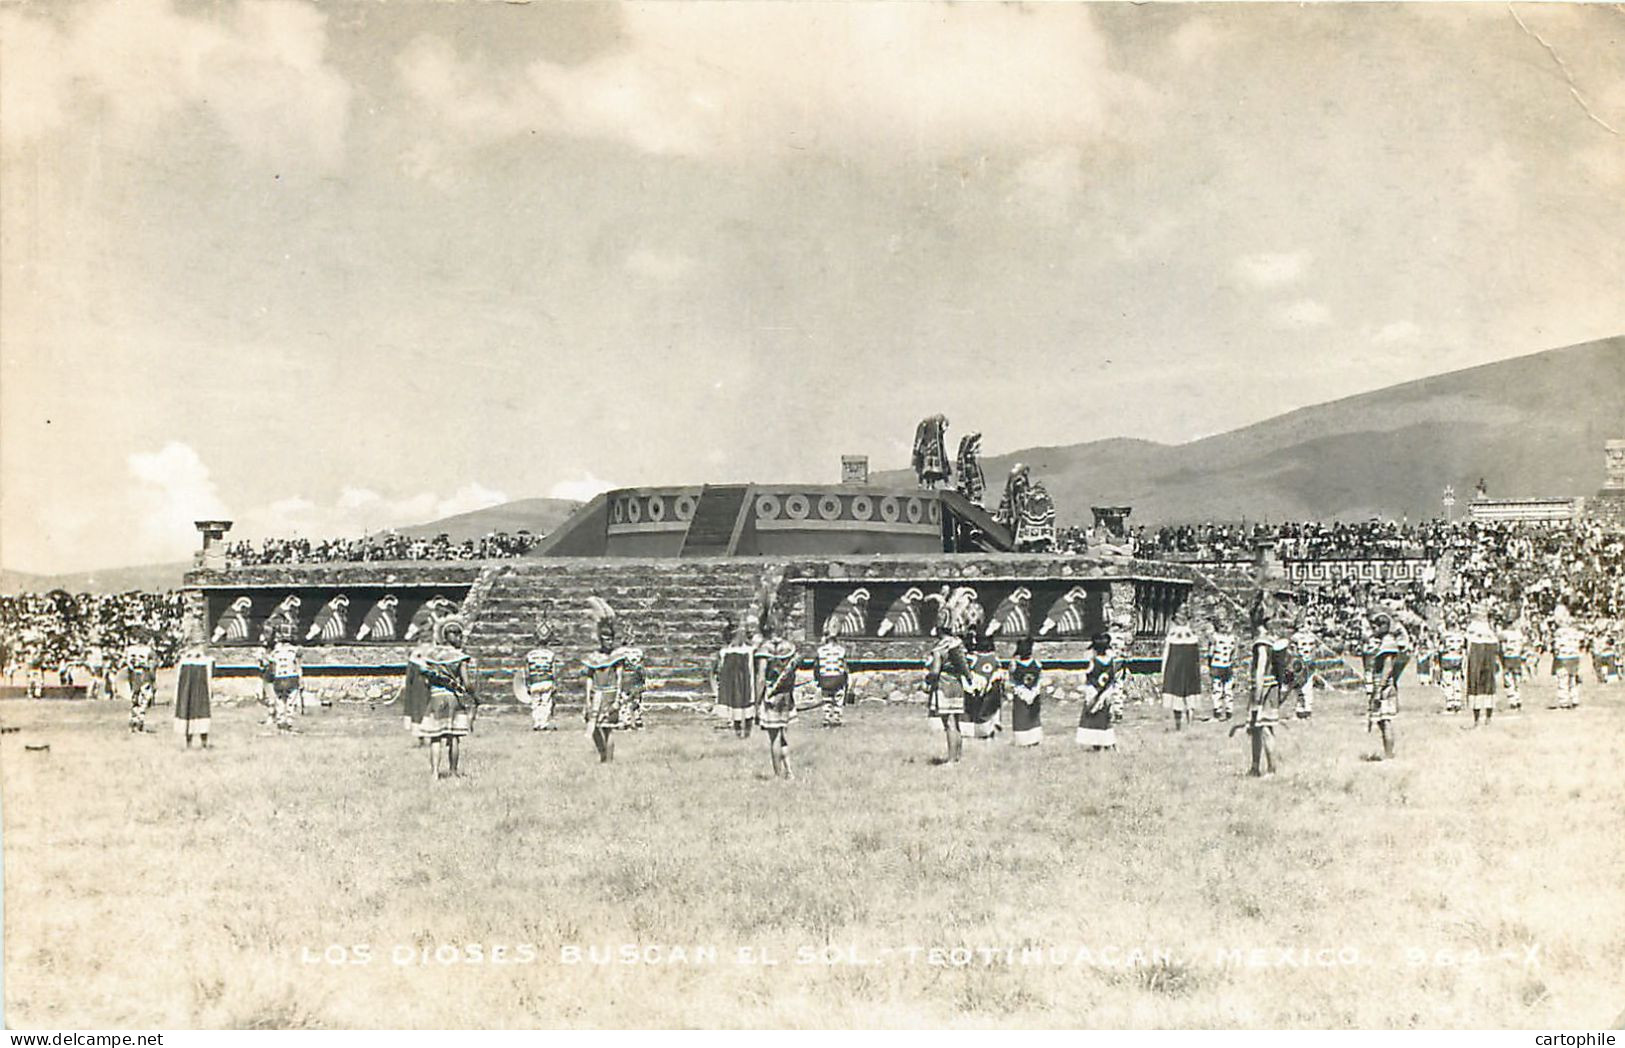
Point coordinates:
[(1272, 653)]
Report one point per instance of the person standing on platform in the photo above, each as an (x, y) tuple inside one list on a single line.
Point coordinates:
[(831, 672), (540, 678), (1099, 678), (1026, 714), (776, 659), (1221, 668), (931, 452), (452, 703), (141, 662), (1513, 648), (604, 670), (1483, 665), (1181, 669), (192, 697)]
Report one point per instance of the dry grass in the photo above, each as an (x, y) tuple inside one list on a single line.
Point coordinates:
[(146, 886)]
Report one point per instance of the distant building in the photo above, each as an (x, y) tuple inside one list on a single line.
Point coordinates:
[(1609, 503), (1526, 511)]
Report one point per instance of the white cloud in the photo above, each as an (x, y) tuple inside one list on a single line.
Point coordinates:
[(1273, 270), (661, 266), (1400, 331), (259, 71), (867, 81), (1302, 314), (172, 489), (580, 489)]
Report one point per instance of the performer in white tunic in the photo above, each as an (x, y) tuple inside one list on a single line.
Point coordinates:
[(284, 673), (1304, 646), (1452, 653), (1221, 668), (141, 662), (540, 678), (192, 697), (1513, 649), (831, 673), (1181, 670), (1567, 643)]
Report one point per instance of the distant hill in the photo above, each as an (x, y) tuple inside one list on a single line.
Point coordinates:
[(150, 577), (537, 516), (1530, 426)]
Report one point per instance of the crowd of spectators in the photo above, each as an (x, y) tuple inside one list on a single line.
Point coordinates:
[(1293, 540), (383, 546), (58, 630)]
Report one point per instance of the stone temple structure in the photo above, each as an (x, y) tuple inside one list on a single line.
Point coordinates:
[(676, 563)]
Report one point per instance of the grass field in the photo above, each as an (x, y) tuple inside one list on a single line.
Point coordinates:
[(1475, 882)]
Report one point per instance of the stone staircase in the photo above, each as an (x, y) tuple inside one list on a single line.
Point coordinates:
[(675, 606), (714, 529)]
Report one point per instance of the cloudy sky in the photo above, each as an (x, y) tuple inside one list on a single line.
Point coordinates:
[(327, 268)]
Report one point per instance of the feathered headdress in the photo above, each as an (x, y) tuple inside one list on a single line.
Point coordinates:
[(451, 631), (764, 609), (603, 616)]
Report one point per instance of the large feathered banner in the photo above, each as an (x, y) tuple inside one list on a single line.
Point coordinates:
[(232, 626), (332, 622), (380, 621)]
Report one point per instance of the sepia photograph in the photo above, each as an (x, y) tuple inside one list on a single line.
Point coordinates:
[(781, 516)]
